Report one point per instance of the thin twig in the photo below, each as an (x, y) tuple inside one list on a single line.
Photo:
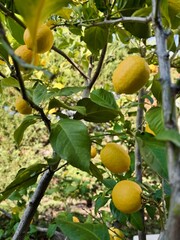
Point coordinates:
[(11, 15), (70, 61)]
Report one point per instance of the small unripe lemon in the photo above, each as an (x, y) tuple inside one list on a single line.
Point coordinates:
[(115, 158), (131, 75), (75, 219), (43, 40), (93, 152), (115, 234), (126, 196), (22, 106), (27, 55)]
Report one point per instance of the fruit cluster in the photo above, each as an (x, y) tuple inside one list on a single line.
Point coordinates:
[(40, 43), (126, 194)]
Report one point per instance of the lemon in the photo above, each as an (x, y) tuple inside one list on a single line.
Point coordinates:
[(115, 234), (130, 75), (148, 130), (27, 55), (115, 158), (22, 106), (75, 219), (93, 152), (126, 196), (43, 40)]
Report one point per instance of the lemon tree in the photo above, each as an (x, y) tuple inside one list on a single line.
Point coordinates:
[(93, 83)]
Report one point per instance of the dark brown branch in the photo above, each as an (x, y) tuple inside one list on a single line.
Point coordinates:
[(70, 61), (11, 15), (98, 69)]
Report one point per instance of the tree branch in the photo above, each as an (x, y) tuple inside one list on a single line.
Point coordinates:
[(70, 61), (138, 159), (33, 205), (124, 19), (11, 15), (172, 230)]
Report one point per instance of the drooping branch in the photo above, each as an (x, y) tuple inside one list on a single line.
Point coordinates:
[(11, 15), (70, 61)]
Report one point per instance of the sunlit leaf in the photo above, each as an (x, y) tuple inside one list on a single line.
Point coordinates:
[(104, 99), (25, 178), (154, 118), (9, 82)]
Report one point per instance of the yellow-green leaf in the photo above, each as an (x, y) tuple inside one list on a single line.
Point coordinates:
[(36, 12), (65, 13)]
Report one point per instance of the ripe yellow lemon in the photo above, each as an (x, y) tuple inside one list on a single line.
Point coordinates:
[(27, 55), (93, 152), (126, 196), (148, 130), (130, 75), (115, 158), (22, 106), (75, 219), (115, 234), (43, 40)]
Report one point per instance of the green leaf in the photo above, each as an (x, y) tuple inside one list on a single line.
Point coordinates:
[(39, 93), (70, 140), (151, 210), (4, 53), (136, 220), (165, 12), (174, 10), (51, 230), (95, 172), (109, 183), (169, 135), (157, 89), (19, 132), (154, 153), (83, 231), (25, 178), (104, 98), (100, 202), (123, 35), (139, 30), (96, 113), (16, 30), (99, 36), (9, 82), (101, 5), (154, 118), (68, 91)]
